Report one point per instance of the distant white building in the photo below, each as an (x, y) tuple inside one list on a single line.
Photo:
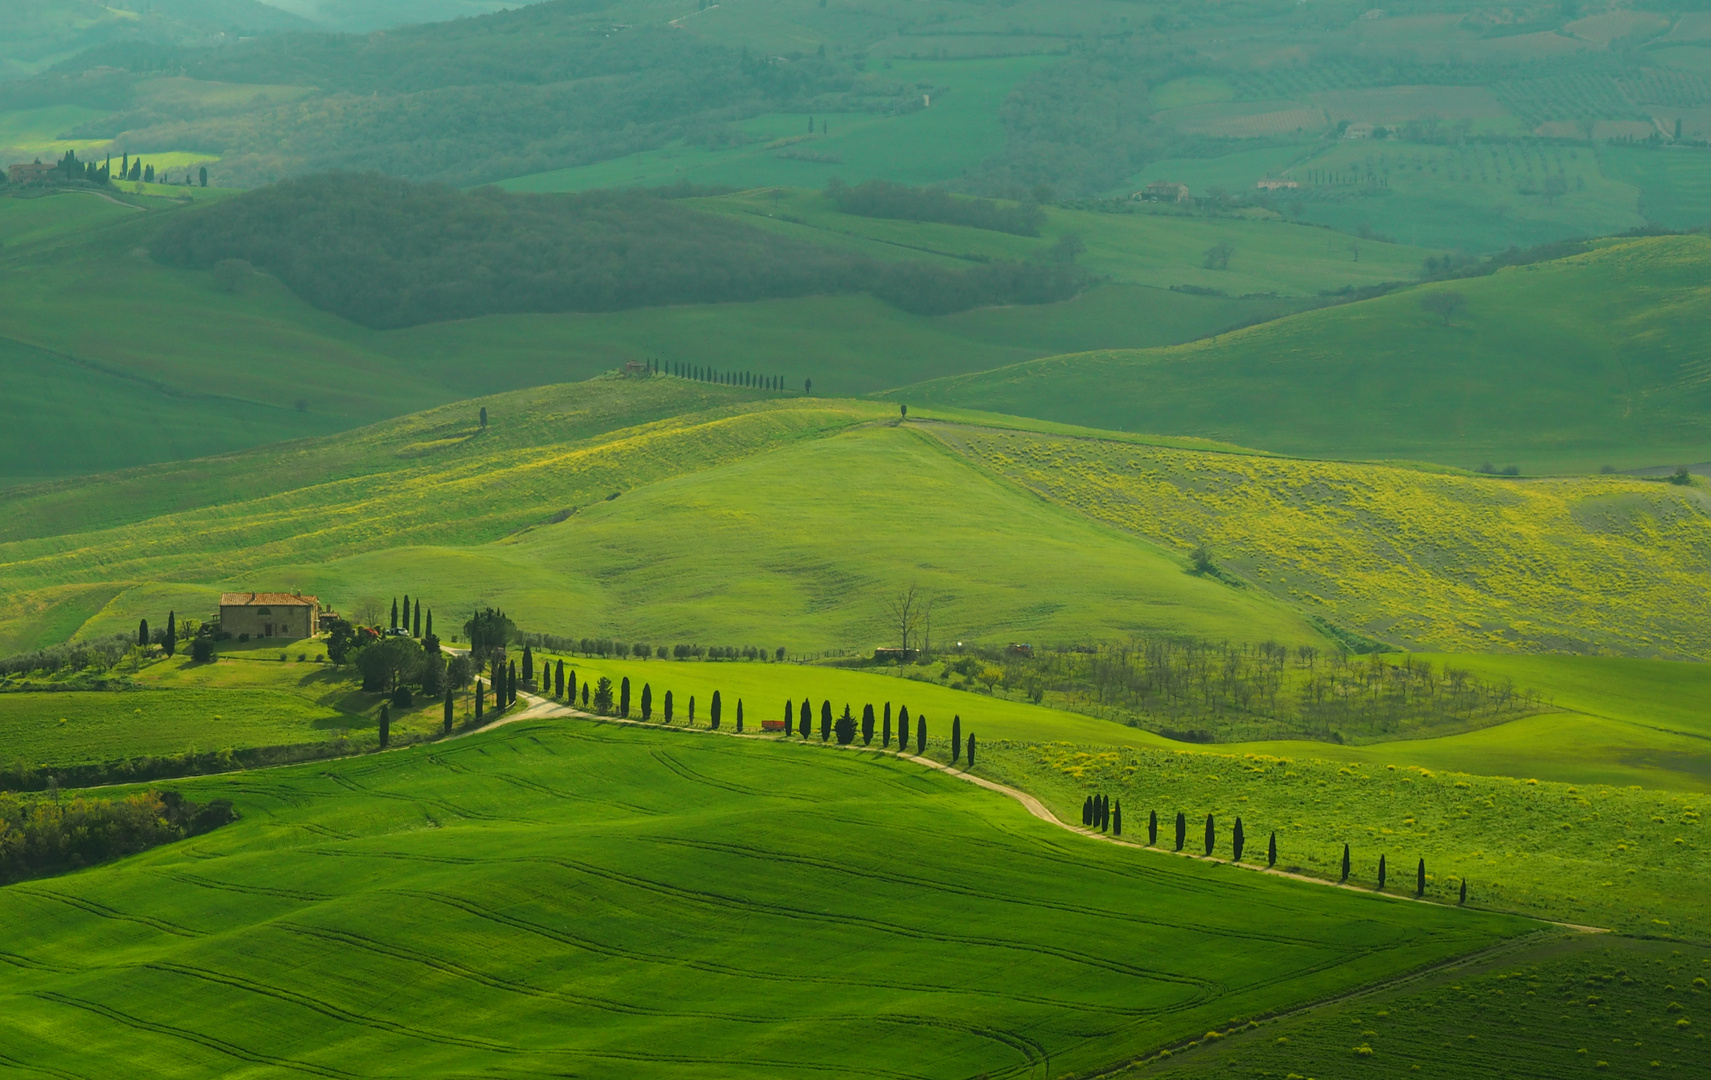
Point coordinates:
[(1271, 184), (1361, 130), (1162, 191)]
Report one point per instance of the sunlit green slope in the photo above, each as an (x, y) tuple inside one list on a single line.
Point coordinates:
[(1590, 360), (565, 896)]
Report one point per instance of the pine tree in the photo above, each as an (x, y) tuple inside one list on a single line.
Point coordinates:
[(1152, 828), (1381, 872), (956, 738), (845, 728), (1117, 819), (1345, 876), (385, 724), (1420, 879), (1463, 899), (885, 735), (921, 734), (647, 702), (143, 633), (713, 712), (867, 724), (528, 663), (1087, 811), (1211, 834), (665, 713), (1181, 829), (1271, 851), (739, 716), (623, 698), (970, 752), (448, 710)]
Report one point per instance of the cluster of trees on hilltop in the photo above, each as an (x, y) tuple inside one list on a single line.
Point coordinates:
[(46, 835), (389, 253), (883, 199)]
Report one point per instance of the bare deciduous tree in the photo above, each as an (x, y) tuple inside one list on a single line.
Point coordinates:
[(1445, 304), (366, 612), (906, 610)]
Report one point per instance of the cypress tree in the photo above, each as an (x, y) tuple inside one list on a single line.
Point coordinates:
[(921, 734), (1420, 879), (511, 683), (1271, 850), (1152, 828), (902, 729), (789, 716), (558, 676), (1211, 834), (1102, 811), (825, 721), (448, 710), (867, 724), (394, 613), (585, 694), (691, 710), (806, 717), (647, 702), (1087, 811), (956, 738), (385, 724), (1381, 872), (570, 685), (623, 697), (1237, 842), (143, 633), (528, 663), (713, 710), (405, 623), (1181, 829), (739, 716), (970, 764), (431, 610), (418, 622), (1463, 899), (1345, 876), (885, 735), (1117, 819), (480, 697), (171, 639)]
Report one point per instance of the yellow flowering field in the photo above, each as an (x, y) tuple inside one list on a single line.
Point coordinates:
[(1412, 557)]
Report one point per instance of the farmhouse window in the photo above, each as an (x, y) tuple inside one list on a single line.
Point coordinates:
[(263, 611)]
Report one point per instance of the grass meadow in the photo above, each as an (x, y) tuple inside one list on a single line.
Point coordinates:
[(105, 370), (1526, 374), (1576, 1007), (577, 896)]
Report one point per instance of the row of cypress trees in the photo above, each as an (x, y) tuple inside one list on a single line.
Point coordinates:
[(411, 620)]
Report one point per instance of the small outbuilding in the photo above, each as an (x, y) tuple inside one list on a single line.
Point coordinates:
[(286, 616)]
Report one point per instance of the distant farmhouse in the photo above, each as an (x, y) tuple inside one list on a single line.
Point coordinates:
[(30, 172), (1270, 184), (269, 615), (1361, 130), (1162, 191)]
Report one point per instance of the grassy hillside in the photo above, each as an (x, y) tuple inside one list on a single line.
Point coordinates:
[(1565, 365), (640, 903), (1421, 558), (123, 361)]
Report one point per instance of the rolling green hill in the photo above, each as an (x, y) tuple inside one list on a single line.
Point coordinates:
[(697, 905), (121, 361), (1572, 364)]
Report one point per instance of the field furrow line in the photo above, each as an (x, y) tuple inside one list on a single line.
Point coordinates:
[(102, 911)]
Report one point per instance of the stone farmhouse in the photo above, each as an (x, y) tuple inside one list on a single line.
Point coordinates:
[(286, 616)]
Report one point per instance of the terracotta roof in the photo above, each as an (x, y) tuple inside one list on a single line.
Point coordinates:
[(270, 599)]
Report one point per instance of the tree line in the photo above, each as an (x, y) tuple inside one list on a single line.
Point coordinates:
[(883, 199), (47, 835), (1100, 813), (387, 253), (642, 650), (1203, 691)]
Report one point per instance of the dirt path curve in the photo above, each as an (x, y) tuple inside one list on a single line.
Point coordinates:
[(544, 708)]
